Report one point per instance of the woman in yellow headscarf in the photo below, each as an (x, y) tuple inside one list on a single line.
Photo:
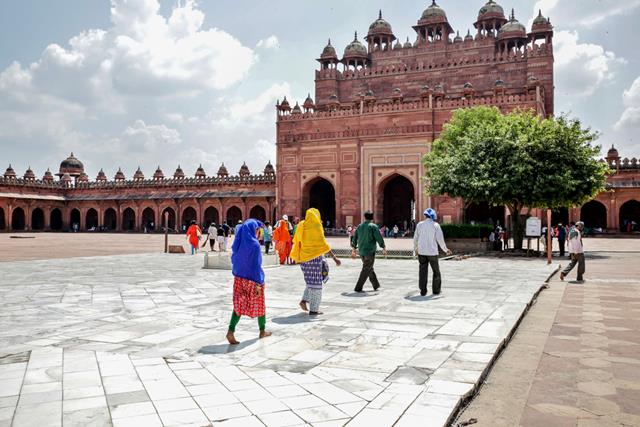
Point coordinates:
[(309, 248)]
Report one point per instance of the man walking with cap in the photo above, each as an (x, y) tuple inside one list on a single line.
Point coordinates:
[(427, 238), (576, 250)]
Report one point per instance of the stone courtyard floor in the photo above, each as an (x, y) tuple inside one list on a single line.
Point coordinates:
[(138, 340)]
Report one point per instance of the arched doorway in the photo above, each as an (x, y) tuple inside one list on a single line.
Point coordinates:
[(258, 212), (560, 216), (91, 220), (149, 219), (55, 220), (321, 195), (17, 219), (189, 214), (594, 215), (128, 220), (483, 213), (234, 214), (74, 219), (397, 202), (211, 215), (171, 220), (110, 219), (630, 216), (37, 219), (2, 224)]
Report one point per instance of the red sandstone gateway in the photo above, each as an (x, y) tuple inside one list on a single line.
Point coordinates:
[(358, 146)]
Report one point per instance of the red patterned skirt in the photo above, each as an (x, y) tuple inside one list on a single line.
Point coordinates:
[(245, 300)]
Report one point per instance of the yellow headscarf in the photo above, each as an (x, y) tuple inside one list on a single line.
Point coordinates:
[(309, 241)]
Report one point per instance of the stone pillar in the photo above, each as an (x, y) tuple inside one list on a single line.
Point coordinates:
[(27, 218), (119, 218), (47, 218)]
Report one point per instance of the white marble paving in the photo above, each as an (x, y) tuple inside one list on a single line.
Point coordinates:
[(139, 340)]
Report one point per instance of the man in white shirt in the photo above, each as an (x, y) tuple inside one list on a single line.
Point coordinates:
[(213, 235), (427, 238), (576, 251)]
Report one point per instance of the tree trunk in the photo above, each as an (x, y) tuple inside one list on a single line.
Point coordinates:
[(518, 226)]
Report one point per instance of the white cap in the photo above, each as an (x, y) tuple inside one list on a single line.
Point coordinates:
[(285, 217)]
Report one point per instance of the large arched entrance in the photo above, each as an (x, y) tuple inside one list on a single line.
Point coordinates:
[(2, 224), (234, 214), (484, 213), (128, 220), (149, 219), (110, 219), (189, 214), (17, 219), (594, 215), (258, 212), (74, 219), (321, 195), (630, 216), (55, 220), (91, 220), (397, 202), (171, 220), (211, 215), (37, 219)]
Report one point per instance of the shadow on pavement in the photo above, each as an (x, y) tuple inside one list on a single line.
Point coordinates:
[(226, 348), (294, 319), (423, 298), (360, 294)]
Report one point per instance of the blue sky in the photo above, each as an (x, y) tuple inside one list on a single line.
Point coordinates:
[(124, 83)]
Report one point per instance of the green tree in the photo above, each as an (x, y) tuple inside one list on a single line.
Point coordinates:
[(518, 160)]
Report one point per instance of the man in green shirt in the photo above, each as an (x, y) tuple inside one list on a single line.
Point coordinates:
[(365, 239)]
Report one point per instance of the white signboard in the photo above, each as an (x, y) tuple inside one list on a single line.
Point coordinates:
[(533, 228)]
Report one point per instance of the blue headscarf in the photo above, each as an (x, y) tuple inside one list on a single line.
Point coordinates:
[(430, 213), (246, 258)]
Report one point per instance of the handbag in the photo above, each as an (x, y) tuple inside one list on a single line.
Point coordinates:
[(325, 270)]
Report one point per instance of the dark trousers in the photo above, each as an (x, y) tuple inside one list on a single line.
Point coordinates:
[(561, 244), (267, 245), (367, 272), (576, 259), (212, 243), (425, 261)]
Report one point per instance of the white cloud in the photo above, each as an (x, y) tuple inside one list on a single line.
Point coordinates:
[(589, 12), (250, 112), (582, 68), (270, 42), (631, 116), (266, 150), (152, 137)]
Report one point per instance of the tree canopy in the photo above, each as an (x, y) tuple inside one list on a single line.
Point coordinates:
[(516, 159)]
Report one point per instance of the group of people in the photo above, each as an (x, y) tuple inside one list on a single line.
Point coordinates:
[(310, 249)]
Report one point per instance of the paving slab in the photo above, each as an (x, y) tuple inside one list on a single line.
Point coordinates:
[(139, 339)]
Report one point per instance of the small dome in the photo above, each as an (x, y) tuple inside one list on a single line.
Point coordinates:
[(329, 52), (9, 173), (397, 46), (380, 27), (48, 176), (333, 98), (269, 169), (83, 177), (541, 24), (499, 82), (72, 166), (284, 105), (158, 173), (490, 10), (468, 37), (66, 178), (369, 93), (407, 44), (458, 38), (296, 109), (179, 173), (138, 175), (512, 29), (433, 11), (355, 49), (29, 174), (308, 103), (222, 170), (119, 176), (101, 176), (612, 152), (244, 170), (200, 173)]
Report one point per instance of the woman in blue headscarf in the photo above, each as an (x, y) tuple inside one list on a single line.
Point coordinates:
[(248, 283)]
